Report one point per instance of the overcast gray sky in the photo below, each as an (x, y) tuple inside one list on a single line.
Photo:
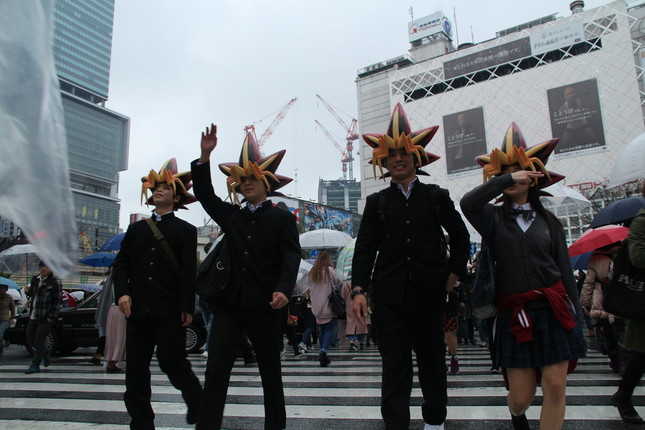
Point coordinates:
[(178, 66)]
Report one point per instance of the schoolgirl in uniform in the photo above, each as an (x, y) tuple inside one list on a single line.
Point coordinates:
[(537, 331)]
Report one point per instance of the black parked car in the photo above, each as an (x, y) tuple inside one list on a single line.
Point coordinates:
[(75, 328)]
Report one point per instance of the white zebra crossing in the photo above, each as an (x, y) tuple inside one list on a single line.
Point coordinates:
[(344, 395)]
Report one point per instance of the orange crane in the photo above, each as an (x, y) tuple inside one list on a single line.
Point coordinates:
[(352, 135), (271, 128), (85, 242), (344, 156)]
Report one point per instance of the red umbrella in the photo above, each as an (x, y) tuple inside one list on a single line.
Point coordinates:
[(595, 238)]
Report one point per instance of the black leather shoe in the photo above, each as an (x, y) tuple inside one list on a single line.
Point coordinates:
[(520, 422), (626, 408), (192, 415)]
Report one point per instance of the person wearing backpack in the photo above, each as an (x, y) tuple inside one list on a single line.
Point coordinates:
[(538, 325), (635, 334), (411, 274)]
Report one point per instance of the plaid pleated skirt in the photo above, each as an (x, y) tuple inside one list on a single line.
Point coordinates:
[(551, 344)]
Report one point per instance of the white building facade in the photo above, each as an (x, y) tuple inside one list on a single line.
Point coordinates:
[(579, 78)]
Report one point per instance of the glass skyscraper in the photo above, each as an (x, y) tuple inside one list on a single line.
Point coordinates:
[(97, 138)]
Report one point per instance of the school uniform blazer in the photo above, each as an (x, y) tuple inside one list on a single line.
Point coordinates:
[(406, 235), (144, 271), (264, 246)]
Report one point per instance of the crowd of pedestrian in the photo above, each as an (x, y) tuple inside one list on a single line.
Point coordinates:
[(410, 289)]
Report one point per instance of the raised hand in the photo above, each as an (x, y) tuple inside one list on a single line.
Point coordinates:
[(208, 143)]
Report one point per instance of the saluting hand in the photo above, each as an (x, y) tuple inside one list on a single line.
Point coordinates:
[(522, 177), (208, 143)]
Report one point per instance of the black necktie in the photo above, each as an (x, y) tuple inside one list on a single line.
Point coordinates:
[(528, 215)]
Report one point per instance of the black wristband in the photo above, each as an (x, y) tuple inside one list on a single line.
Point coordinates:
[(356, 292)]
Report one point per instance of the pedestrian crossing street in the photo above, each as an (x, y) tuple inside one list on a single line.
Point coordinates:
[(72, 394)]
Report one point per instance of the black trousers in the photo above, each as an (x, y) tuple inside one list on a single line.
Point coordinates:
[(37, 331), (416, 326), (263, 328), (170, 338)]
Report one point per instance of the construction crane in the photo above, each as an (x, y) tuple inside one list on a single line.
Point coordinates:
[(345, 159), (352, 135), (271, 128), (86, 243)]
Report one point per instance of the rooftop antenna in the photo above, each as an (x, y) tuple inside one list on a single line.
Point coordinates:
[(411, 12), (472, 36), (454, 13)]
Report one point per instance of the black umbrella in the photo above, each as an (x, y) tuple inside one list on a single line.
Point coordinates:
[(618, 212)]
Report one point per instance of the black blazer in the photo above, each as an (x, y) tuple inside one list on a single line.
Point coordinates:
[(406, 234), (143, 270), (264, 246)]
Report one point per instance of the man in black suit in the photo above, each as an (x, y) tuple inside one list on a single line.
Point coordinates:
[(154, 284), (411, 274), (265, 256)]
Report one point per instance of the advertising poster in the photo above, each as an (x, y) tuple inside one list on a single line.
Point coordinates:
[(465, 138), (320, 216), (286, 203), (575, 116)]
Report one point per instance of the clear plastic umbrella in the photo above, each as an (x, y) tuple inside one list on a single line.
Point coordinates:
[(302, 281), (344, 263), (324, 238)]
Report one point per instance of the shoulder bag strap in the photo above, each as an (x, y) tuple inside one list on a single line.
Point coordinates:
[(164, 243)]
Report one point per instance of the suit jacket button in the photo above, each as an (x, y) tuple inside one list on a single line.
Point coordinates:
[(243, 269), (149, 278), (248, 237), (152, 263), (407, 240), (153, 249)]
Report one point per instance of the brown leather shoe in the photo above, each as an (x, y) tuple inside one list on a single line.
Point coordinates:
[(113, 369)]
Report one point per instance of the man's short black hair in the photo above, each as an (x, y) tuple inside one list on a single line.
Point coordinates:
[(41, 263)]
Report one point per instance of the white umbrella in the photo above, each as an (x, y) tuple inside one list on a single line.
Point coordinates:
[(631, 163), (19, 250), (302, 281), (19, 258), (563, 195), (324, 238)]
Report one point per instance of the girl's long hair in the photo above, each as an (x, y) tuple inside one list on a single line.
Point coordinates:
[(536, 204), (320, 271)]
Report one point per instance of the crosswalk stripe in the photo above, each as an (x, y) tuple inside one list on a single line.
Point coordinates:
[(344, 395)]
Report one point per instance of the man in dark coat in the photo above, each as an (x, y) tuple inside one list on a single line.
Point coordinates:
[(154, 282), (45, 295), (265, 256), (411, 274)]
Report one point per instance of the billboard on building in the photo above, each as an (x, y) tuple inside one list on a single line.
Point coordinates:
[(486, 58), (321, 216), (575, 115), (559, 36), (428, 25), (465, 138), (292, 205)]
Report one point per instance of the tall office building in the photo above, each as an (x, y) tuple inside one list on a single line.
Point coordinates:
[(340, 193), (97, 138)]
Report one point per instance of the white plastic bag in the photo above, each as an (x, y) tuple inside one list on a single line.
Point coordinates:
[(34, 174)]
